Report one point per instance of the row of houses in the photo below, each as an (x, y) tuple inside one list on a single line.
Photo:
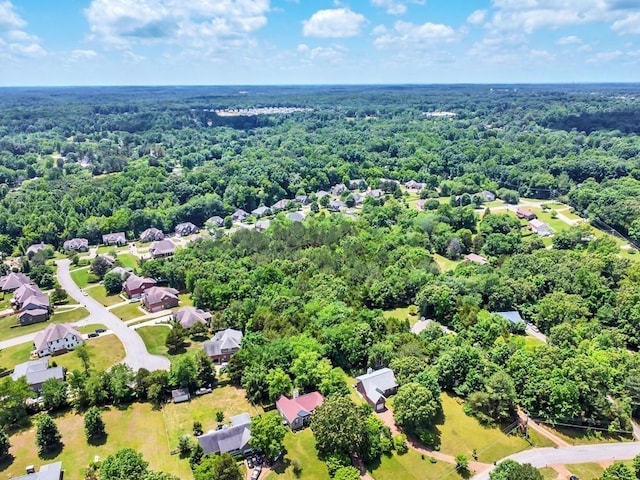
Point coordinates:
[(28, 300)]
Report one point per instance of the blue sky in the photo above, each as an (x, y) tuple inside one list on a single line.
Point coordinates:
[(150, 42)]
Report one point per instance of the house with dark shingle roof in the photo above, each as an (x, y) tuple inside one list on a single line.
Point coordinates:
[(151, 235), (336, 205), (297, 411), (376, 386), (260, 211), (338, 189), (239, 215), (356, 184), (13, 281), (163, 248), (118, 238), (35, 248), (76, 244), (135, 285), (223, 345), (231, 439), (280, 205), (186, 228), (215, 221), (302, 199), (57, 338), (189, 316), (37, 372), (155, 299), (295, 216)]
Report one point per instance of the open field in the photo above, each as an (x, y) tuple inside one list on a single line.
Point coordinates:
[(99, 293), (412, 466), (444, 263), (461, 433), (301, 447), (128, 311), (139, 427)]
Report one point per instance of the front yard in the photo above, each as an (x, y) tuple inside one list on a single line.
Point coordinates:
[(99, 293), (128, 311), (301, 446)]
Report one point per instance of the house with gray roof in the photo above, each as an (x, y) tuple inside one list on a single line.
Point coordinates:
[(338, 189), (413, 185), (376, 193), (322, 193), (151, 235), (118, 238), (223, 345), (262, 225), (37, 372), (186, 228), (336, 205), (180, 395), (376, 386), (215, 221), (163, 248), (295, 216), (49, 471), (35, 248), (13, 281), (123, 272), (239, 215), (189, 316), (512, 317), (76, 245), (280, 205), (57, 338), (260, 211), (356, 184), (302, 199), (231, 439)]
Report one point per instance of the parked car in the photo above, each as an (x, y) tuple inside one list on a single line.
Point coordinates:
[(250, 462), (101, 330), (93, 335), (203, 390), (573, 477), (256, 473)]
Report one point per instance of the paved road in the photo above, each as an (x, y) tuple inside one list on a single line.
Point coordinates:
[(136, 353), (542, 457)]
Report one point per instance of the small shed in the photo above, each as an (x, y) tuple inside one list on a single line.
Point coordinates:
[(180, 395)]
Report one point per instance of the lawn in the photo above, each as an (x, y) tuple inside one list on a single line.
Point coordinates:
[(585, 437), (185, 300), (9, 327), (99, 293), (586, 471), (139, 427), (412, 466), (91, 327), (104, 352), (128, 311), (403, 314), (82, 277), (179, 418), (70, 315), (154, 338), (548, 473), (128, 260), (11, 356), (444, 263), (556, 224), (301, 447), (461, 433)]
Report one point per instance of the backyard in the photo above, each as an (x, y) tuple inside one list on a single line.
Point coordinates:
[(301, 446)]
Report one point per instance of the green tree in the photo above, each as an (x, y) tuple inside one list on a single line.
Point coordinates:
[(183, 373), (4, 443), (462, 464), (338, 426), (82, 352), (93, 424), (510, 469), (54, 394), (59, 295), (47, 434), (175, 339), (267, 433), (347, 473), (14, 395), (99, 266), (279, 383), (125, 464), (618, 471), (205, 370), (217, 467), (112, 283), (121, 378), (415, 407)]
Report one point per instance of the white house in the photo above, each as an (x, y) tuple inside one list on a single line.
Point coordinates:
[(539, 227), (57, 337)]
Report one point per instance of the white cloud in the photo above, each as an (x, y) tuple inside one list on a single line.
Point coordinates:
[(416, 36), (15, 42), (603, 57), (334, 23), (395, 7), (302, 48), (79, 54), (196, 24), (570, 40), (477, 17), (629, 24)]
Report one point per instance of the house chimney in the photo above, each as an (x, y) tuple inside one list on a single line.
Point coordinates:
[(369, 370), (296, 394)]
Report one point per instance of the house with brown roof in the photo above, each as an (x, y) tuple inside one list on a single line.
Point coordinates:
[(151, 235), (135, 285), (155, 299), (33, 315), (223, 345), (57, 338), (189, 316), (33, 305), (186, 228), (13, 281), (163, 248), (76, 245), (297, 411), (526, 214), (118, 238)]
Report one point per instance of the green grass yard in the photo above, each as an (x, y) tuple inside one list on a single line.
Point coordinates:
[(403, 313), (586, 471), (411, 466), (69, 316), (301, 447), (548, 473), (444, 263), (155, 337), (11, 356), (586, 437), (9, 327), (128, 260), (91, 327), (128, 311), (99, 293), (83, 277)]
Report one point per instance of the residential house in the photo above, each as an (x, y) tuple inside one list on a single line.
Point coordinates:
[(302, 199), (376, 193), (413, 185), (135, 285), (539, 227), (260, 211), (223, 344), (420, 204), (473, 257), (297, 411), (33, 305), (76, 245), (180, 395), (322, 193), (215, 221), (189, 316), (109, 260), (118, 238), (512, 317), (239, 215), (186, 228), (161, 249), (37, 372), (280, 205), (376, 386), (358, 198), (336, 205), (13, 281), (231, 439), (295, 216), (526, 214), (487, 196), (338, 189), (155, 299), (357, 184), (49, 471), (35, 248), (123, 272), (57, 338), (151, 235), (33, 315), (262, 225)]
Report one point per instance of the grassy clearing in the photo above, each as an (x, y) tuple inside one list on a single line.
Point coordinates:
[(404, 314), (185, 300), (577, 436), (301, 447), (412, 466), (128, 260), (132, 427), (91, 327), (444, 263), (82, 277), (128, 311), (548, 473), (11, 356), (99, 293), (104, 352), (556, 224), (586, 471), (69, 316), (179, 418), (460, 433), (154, 339)]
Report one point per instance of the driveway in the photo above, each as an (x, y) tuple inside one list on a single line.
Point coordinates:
[(542, 457), (136, 356)]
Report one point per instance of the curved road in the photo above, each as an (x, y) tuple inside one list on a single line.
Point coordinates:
[(542, 457), (137, 356)]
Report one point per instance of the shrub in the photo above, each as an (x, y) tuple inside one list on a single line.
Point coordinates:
[(400, 444)]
